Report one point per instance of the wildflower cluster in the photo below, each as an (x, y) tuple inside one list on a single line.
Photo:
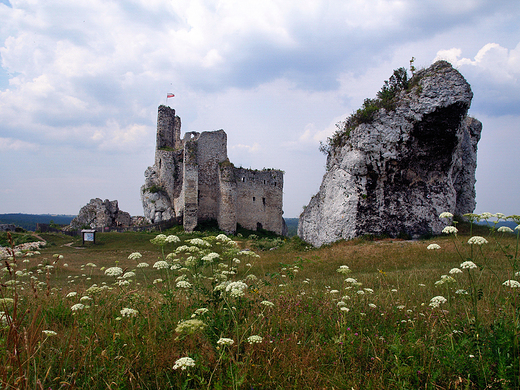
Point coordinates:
[(184, 363)]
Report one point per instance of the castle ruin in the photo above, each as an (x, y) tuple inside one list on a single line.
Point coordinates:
[(193, 181)]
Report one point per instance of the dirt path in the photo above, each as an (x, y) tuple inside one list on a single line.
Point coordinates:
[(75, 247), (38, 237)]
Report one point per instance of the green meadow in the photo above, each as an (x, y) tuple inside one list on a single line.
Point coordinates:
[(204, 310)]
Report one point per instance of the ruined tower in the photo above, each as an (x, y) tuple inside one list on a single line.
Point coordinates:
[(192, 181)]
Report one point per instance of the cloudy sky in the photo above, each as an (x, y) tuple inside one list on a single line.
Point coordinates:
[(80, 83)]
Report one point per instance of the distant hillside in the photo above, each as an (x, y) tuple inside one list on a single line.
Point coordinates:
[(29, 221), (292, 226)]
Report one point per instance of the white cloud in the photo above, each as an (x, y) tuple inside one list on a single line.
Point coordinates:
[(249, 148), (7, 144), (494, 74), (501, 64)]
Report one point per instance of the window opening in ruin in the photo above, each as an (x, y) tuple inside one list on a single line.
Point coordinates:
[(243, 179), (275, 184), (264, 181), (258, 226), (263, 201), (254, 198)]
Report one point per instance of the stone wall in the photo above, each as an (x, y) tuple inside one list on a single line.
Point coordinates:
[(211, 151), (260, 199), (227, 205), (190, 186)]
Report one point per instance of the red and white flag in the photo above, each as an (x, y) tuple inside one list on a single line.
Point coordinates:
[(170, 95)]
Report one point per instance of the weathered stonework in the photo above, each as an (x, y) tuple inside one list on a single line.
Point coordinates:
[(398, 173), (193, 180)]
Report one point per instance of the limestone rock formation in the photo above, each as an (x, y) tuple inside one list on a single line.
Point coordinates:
[(192, 180), (398, 172), (98, 213)]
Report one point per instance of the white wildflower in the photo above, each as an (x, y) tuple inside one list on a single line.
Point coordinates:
[(209, 258), (223, 238), (183, 363), (446, 215), (182, 248), (113, 271), (433, 247), (127, 312), (343, 269), (183, 284), (255, 339), (225, 341), (134, 256), (143, 265), (190, 326), (477, 240), (468, 265), (267, 303), (511, 283), (77, 306), (450, 230), (505, 229), (199, 242), (237, 293), (236, 286), (161, 264), (437, 301), (201, 311), (172, 239), (159, 240), (454, 271)]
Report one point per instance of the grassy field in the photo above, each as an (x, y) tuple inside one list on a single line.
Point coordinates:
[(201, 311)]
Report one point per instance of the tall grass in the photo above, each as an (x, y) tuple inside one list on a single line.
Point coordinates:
[(206, 312)]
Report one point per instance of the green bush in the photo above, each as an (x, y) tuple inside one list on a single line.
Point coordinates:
[(386, 98)]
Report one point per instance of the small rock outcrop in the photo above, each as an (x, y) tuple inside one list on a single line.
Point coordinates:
[(98, 213), (7, 227), (395, 173)]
